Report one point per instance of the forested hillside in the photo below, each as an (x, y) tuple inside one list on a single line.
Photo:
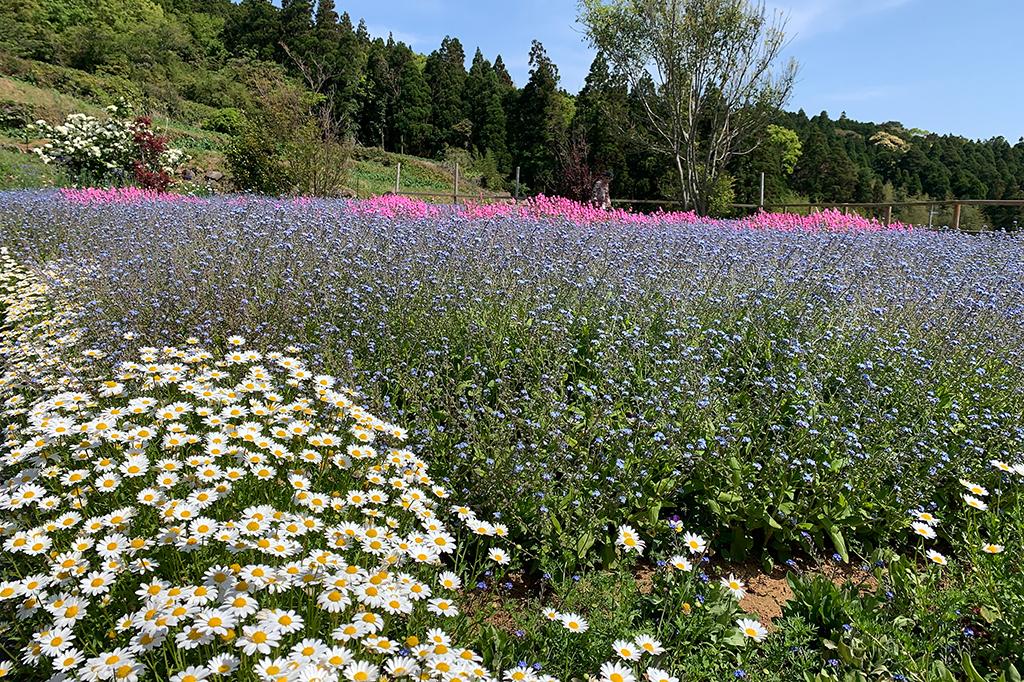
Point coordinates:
[(188, 59)]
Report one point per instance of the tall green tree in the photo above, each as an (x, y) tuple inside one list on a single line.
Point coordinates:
[(350, 67), (377, 94), (254, 28), (504, 77), (412, 111), (296, 26), (539, 125), (824, 171), (325, 17), (485, 109), (334, 48), (446, 74), (602, 117)]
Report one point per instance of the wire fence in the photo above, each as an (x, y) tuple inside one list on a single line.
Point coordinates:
[(882, 210)]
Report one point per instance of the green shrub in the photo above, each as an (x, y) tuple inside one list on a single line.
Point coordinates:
[(488, 175), (722, 197), (229, 121), (15, 115), (293, 143), (256, 165)]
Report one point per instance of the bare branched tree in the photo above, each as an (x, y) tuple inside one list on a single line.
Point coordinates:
[(314, 71), (576, 177), (321, 149), (704, 73)]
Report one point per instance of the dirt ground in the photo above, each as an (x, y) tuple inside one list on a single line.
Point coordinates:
[(767, 592)]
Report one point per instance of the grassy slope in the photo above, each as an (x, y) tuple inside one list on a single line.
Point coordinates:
[(373, 170)]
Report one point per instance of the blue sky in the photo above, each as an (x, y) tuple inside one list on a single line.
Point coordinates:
[(949, 66)]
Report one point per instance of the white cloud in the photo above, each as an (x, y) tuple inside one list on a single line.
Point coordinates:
[(807, 18)]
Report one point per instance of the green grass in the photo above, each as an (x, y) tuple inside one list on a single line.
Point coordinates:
[(18, 170), (43, 102), (373, 170)]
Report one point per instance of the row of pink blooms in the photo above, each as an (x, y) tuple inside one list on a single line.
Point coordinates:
[(540, 207)]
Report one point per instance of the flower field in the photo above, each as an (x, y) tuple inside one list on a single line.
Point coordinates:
[(598, 437)]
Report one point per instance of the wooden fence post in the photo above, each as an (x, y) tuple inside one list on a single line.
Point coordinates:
[(398, 178), (956, 216), (517, 185), (888, 215), (455, 197)]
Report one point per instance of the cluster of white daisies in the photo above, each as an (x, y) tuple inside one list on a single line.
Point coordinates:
[(630, 541), (37, 333), (925, 522), (199, 504)]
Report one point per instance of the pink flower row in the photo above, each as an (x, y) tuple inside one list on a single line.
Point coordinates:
[(541, 207)]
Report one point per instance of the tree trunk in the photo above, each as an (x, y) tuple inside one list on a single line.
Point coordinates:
[(683, 184)]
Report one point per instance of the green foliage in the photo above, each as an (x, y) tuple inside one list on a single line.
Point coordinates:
[(784, 144), (16, 115), (445, 73), (291, 142), (484, 94), (256, 164), (229, 121), (539, 123), (776, 156), (602, 116), (722, 196), (846, 160), (413, 110)]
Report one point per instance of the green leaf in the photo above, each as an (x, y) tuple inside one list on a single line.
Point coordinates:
[(583, 544), (990, 615), (653, 512), (940, 673), (1011, 674), (839, 542), (737, 472), (850, 656), (735, 639), (970, 670)]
